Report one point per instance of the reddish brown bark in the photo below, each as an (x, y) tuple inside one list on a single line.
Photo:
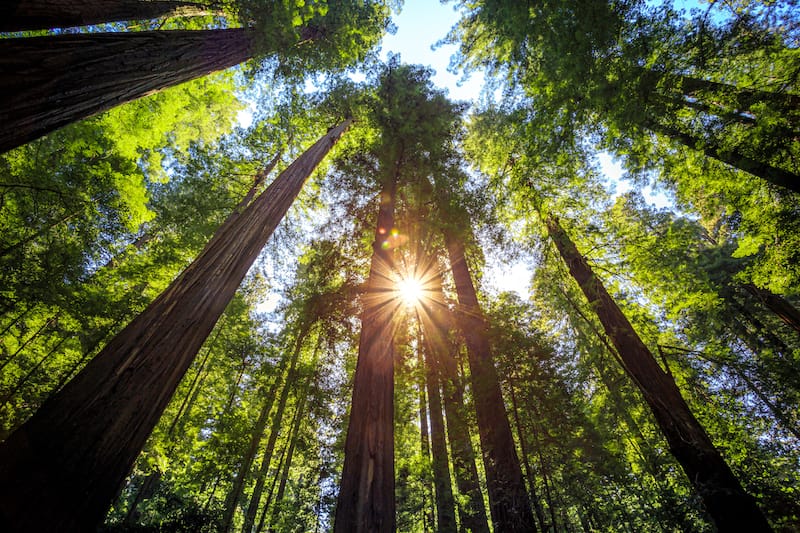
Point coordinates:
[(731, 508), (508, 499), (23, 15), (61, 470), (41, 90), (366, 493)]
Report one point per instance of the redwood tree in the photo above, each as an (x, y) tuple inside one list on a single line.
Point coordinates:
[(61, 469), (23, 15), (731, 508), (508, 499)]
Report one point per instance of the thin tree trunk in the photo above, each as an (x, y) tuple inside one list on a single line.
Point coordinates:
[(731, 508), (777, 304), (287, 464), (523, 448), (61, 470), (445, 504), (239, 479), (424, 436), (366, 493), (742, 99), (437, 323), (508, 499), (24, 15), (776, 176), (21, 383), (275, 429), (42, 90)]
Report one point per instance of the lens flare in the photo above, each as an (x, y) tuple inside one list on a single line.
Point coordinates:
[(410, 290)]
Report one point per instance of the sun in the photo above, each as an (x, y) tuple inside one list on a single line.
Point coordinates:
[(410, 290)]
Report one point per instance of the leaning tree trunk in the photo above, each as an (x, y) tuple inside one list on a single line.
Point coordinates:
[(24, 15), (232, 500), (775, 175), (49, 82), (782, 308), (508, 499), (61, 470), (366, 492), (275, 429), (731, 508)]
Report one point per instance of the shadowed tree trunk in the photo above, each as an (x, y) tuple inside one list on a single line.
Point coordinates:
[(366, 493), (778, 305), (23, 15), (731, 508), (437, 322), (508, 499), (61, 470), (445, 504), (41, 90), (734, 158)]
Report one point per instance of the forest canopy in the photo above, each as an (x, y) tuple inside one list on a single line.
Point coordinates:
[(248, 268)]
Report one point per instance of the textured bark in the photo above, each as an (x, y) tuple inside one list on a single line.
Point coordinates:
[(731, 508), (61, 470), (508, 499), (445, 504), (232, 500), (41, 91), (277, 419), (366, 493), (24, 15)]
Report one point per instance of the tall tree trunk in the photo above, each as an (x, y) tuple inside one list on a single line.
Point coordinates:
[(777, 304), (277, 419), (366, 492), (24, 15), (445, 504), (523, 449), (239, 479), (776, 176), (49, 82), (424, 437), (508, 499), (731, 508), (287, 464), (61, 469), (437, 323)]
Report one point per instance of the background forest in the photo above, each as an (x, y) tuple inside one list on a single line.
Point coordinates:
[(244, 265)]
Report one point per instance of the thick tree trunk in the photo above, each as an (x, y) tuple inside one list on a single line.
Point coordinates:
[(731, 508), (61, 469), (49, 82), (776, 176), (24, 15), (232, 500), (366, 493), (508, 499), (277, 419), (445, 504)]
